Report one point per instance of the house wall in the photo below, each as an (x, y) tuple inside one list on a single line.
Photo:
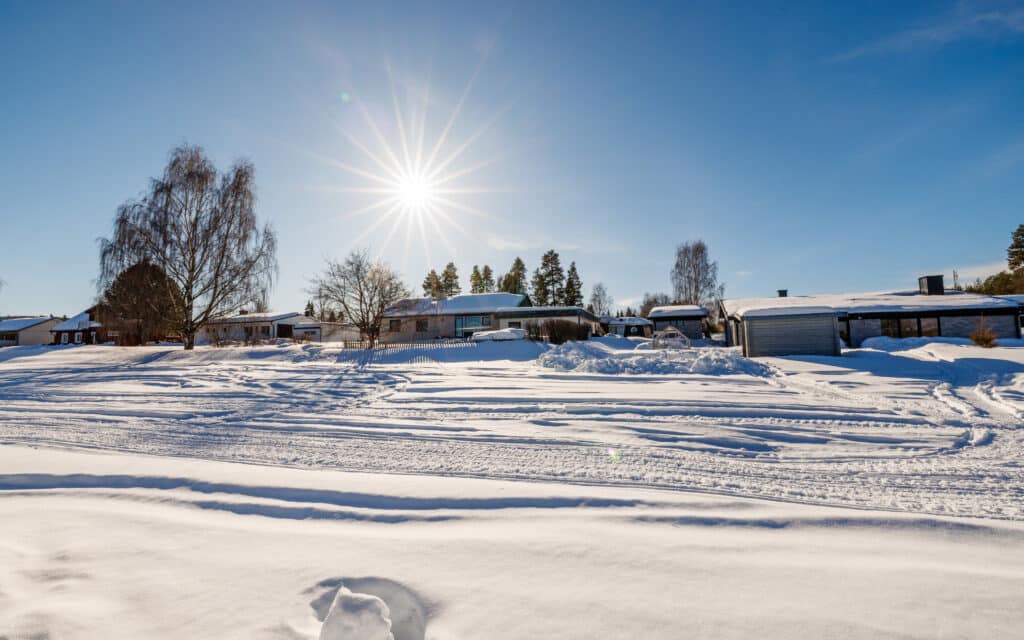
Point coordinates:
[(692, 328), (864, 328), (89, 336), (38, 334), (438, 326), (791, 335), (504, 323), (337, 333), (964, 326)]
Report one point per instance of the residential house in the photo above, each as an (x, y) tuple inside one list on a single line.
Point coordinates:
[(519, 317), (631, 327), (930, 310), (460, 316), (26, 331), (83, 328)]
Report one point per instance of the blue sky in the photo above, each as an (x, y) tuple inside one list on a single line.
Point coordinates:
[(818, 147)]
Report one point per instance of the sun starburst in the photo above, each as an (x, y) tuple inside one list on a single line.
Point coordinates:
[(413, 186)]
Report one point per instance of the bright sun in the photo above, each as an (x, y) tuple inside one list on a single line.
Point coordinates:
[(415, 192)]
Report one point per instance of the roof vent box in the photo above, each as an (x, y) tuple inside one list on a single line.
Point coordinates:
[(931, 285)]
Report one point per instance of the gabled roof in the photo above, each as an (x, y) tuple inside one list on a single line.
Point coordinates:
[(244, 318), (872, 302), (77, 323), (456, 305), (678, 311), (13, 325)]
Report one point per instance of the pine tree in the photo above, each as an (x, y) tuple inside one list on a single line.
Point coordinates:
[(432, 285), (332, 316), (573, 294), (310, 311), (554, 278), (450, 281), (476, 284), (1015, 254), (487, 279), (541, 294), (515, 280)]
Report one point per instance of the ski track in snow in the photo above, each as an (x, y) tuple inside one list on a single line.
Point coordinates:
[(930, 430)]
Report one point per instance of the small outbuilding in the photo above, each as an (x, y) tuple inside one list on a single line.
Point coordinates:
[(26, 331), (631, 327), (783, 330), (687, 318)]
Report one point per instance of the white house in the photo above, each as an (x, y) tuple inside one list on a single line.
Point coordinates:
[(23, 331), (248, 327)]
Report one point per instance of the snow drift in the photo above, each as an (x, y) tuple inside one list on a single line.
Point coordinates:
[(595, 357), (357, 616)]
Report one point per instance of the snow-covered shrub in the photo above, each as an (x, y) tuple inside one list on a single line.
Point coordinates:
[(562, 331)]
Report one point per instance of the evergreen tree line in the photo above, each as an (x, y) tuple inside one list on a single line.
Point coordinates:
[(549, 285), (1010, 280)]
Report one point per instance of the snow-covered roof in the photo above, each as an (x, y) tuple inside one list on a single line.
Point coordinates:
[(76, 323), (13, 325), (1019, 299), (456, 305), (255, 317), (678, 311), (873, 302), (630, 321)]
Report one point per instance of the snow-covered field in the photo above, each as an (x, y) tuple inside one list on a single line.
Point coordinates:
[(149, 492)]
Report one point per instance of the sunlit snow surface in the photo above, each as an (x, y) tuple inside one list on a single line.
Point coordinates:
[(100, 544)]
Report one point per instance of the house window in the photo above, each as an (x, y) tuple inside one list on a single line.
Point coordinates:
[(908, 327), (891, 327), (515, 324), (64, 338), (466, 326), (844, 331), (394, 325), (78, 337), (265, 331), (421, 326), (929, 327)]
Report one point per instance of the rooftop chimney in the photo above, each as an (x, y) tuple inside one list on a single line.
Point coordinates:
[(931, 285), (783, 293)]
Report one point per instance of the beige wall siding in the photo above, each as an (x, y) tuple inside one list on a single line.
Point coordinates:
[(38, 334)]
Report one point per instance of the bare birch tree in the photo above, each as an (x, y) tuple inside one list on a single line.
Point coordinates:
[(695, 275), (363, 289), (600, 300), (199, 228)]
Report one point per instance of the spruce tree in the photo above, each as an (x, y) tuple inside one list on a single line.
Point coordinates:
[(476, 284), (573, 294), (554, 277), (310, 311), (515, 280), (1015, 254), (487, 279), (450, 281), (432, 285), (541, 294)]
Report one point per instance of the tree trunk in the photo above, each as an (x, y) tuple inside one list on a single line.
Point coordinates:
[(190, 340)]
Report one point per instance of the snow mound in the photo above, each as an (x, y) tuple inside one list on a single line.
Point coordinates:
[(590, 357), (499, 335), (883, 343), (357, 616)]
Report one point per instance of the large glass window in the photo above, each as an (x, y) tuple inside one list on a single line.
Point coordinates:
[(908, 327), (466, 326), (394, 325), (929, 326), (891, 327)]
